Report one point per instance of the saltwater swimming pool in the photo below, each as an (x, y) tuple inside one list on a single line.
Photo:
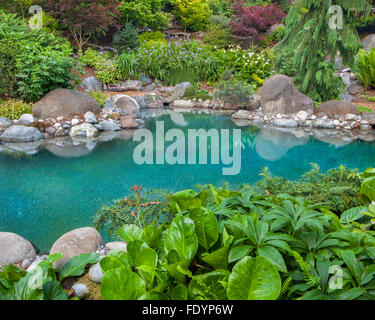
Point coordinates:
[(57, 190)]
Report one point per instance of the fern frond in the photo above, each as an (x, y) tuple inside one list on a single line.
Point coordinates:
[(285, 286), (310, 279)]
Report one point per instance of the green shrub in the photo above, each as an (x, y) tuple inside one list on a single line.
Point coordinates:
[(99, 96), (13, 109), (197, 93), (220, 7), (240, 245), (106, 68), (364, 66), (91, 57), (194, 14), (107, 71), (233, 92), (144, 13), (42, 69), (155, 36), (8, 70), (219, 37), (340, 187), (126, 38), (32, 61)]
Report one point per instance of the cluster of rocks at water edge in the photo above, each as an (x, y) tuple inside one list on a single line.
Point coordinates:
[(282, 105), (19, 251)]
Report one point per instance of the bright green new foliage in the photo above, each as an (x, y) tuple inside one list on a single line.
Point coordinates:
[(254, 279)]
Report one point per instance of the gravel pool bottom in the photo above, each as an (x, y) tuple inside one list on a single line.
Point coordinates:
[(50, 193)]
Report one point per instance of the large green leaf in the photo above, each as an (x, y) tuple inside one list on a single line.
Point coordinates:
[(254, 279), (76, 266), (28, 288), (179, 293), (182, 239), (221, 194), (368, 188), (130, 232), (238, 252), (209, 286), (352, 214), (218, 258), (115, 259), (206, 227), (274, 256), (180, 200), (144, 259), (53, 290), (122, 284), (153, 296)]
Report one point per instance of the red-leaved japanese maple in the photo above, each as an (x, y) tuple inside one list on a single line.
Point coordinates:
[(83, 18), (248, 21)]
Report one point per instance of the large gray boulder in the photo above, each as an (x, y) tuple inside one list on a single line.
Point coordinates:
[(337, 107), (126, 103), (73, 243), (369, 42), (64, 102), (21, 134), (279, 95), (14, 249)]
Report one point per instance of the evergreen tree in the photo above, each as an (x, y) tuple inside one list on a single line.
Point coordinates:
[(312, 43)]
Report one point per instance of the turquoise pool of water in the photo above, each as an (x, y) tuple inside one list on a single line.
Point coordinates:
[(50, 193)]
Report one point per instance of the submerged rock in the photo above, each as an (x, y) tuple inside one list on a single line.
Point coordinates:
[(14, 248), (285, 123), (68, 150), (128, 122), (25, 147)]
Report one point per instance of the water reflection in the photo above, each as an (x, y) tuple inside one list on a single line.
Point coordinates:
[(272, 144)]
